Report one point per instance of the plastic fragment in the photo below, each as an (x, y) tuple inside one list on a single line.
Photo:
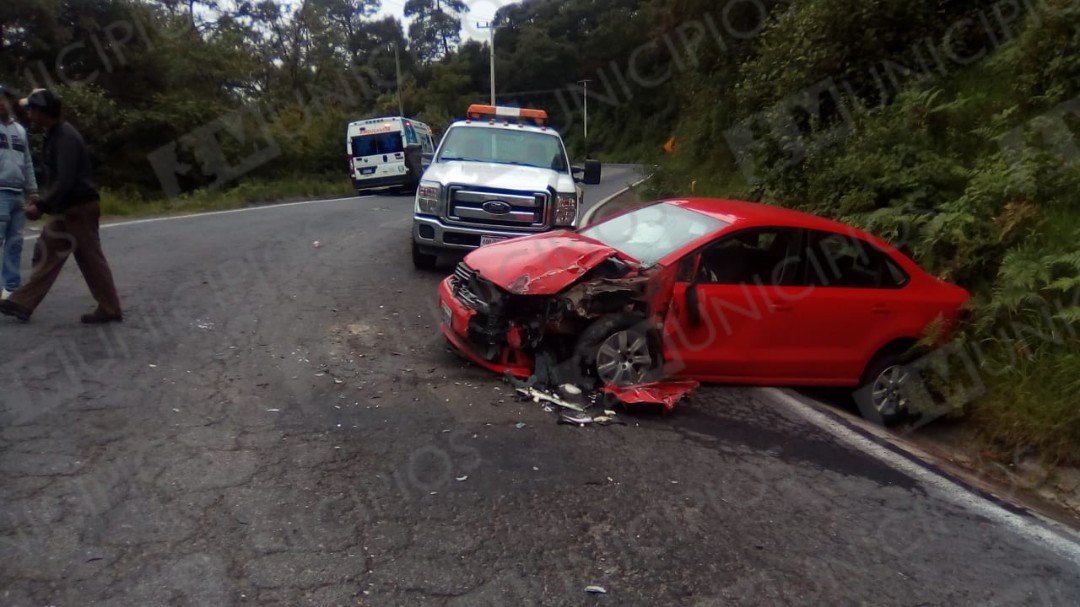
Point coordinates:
[(595, 590), (577, 419), (539, 396)]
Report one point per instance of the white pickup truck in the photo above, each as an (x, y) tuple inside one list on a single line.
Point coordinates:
[(500, 173)]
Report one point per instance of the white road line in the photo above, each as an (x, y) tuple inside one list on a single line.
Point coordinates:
[(588, 216), (1055, 537), (212, 213)]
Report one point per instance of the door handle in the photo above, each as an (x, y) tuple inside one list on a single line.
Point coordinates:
[(779, 308)]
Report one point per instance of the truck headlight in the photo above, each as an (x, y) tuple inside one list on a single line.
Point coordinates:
[(429, 198), (566, 209)]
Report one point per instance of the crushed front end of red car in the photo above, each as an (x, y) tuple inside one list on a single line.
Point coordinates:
[(501, 309)]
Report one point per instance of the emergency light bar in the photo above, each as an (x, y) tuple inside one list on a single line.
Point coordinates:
[(479, 112)]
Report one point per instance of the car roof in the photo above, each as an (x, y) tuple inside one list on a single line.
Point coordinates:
[(740, 214)]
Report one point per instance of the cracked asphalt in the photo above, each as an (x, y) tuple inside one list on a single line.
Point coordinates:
[(280, 423)]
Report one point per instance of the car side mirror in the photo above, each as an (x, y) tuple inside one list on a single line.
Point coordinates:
[(590, 173)]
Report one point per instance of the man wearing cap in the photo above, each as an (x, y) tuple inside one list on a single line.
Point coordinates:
[(74, 208), (17, 180)]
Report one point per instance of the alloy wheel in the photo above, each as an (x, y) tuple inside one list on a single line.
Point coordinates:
[(888, 394), (624, 359)]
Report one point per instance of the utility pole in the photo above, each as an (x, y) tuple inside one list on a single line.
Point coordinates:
[(490, 25), (585, 97), (397, 64)]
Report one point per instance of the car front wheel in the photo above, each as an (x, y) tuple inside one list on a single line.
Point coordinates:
[(619, 350)]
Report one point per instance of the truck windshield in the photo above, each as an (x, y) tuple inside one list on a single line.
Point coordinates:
[(651, 233), (377, 145), (503, 146)]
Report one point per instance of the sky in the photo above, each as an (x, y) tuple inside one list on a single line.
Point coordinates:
[(479, 10)]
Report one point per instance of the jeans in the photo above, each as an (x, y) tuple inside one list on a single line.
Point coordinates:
[(12, 222)]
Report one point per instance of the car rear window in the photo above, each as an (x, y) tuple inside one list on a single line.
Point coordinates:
[(651, 233)]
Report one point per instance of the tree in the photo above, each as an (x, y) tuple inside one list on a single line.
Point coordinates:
[(436, 27)]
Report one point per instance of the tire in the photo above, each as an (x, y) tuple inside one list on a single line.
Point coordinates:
[(619, 349), (884, 394), (421, 260)]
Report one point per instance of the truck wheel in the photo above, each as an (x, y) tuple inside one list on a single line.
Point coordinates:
[(421, 260), (619, 350)]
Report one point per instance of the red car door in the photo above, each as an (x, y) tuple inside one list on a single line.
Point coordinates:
[(742, 284), (850, 308)]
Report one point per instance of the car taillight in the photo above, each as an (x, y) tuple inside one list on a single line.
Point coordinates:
[(566, 210)]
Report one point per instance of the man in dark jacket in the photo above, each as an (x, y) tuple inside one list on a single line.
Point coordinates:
[(74, 208)]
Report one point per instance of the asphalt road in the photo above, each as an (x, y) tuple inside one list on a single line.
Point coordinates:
[(280, 423)]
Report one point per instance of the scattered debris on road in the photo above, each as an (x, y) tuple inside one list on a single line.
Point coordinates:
[(595, 590), (573, 403)]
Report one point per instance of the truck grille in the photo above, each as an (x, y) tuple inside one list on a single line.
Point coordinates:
[(480, 207)]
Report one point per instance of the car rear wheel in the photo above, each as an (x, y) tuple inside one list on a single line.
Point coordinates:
[(619, 350), (421, 260), (884, 396)]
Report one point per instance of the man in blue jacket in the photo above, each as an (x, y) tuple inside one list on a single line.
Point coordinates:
[(17, 180), (74, 208)]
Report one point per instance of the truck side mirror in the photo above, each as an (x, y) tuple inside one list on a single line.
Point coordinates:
[(591, 172)]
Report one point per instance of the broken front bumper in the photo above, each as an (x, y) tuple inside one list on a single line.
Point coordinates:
[(455, 318)]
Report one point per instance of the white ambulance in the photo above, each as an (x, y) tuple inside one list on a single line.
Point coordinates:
[(388, 153)]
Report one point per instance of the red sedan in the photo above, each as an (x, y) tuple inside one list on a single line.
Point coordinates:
[(710, 290)]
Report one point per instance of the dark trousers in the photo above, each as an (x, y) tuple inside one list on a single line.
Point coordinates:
[(73, 232)]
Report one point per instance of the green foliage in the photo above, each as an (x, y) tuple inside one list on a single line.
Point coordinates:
[(435, 27), (1047, 54), (970, 169), (123, 203)]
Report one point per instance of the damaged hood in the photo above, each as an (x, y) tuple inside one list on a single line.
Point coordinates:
[(543, 264)]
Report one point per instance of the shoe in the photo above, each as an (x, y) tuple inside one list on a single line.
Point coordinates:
[(10, 308), (97, 317)]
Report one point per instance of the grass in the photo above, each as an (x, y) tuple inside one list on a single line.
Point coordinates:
[(250, 193), (1033, 408)]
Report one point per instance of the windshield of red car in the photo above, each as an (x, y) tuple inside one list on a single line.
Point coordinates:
[(651, 233)]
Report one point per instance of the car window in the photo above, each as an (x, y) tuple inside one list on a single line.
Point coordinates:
[(768, 256), (651, 233), (837, 260), (410, 134)]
